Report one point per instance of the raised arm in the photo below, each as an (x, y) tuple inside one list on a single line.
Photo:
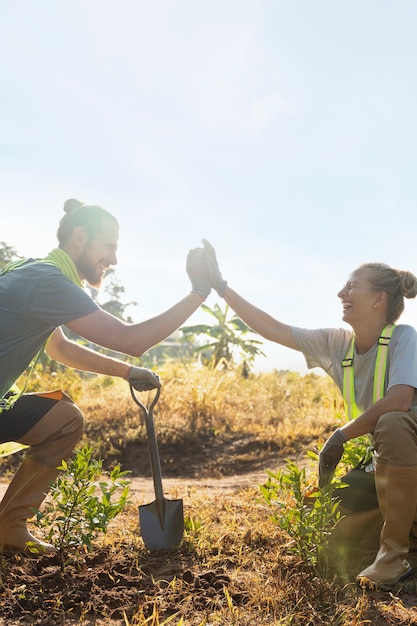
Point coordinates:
[(259, 320), (106, 330)]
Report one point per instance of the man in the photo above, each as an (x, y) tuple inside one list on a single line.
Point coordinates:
[(37, 297)]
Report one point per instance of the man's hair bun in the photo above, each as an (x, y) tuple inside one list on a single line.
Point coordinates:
[(90, 216), (72, 204)]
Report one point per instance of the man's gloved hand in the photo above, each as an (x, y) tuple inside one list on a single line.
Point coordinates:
[(143, 379), (217, 281), (330, 455), (197, 271)]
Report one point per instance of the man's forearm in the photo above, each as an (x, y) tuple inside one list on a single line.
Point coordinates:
[(105, 330), (145, 335), (80, 357)]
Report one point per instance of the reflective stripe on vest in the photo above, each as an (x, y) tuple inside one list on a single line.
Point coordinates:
[(379, 373)]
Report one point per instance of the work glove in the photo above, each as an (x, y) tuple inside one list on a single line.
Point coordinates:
[(143, 379), (330, 455), (216, 279), (197, 271)]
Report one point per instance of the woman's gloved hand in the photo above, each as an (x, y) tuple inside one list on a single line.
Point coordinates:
[(330, 455), (217, 281)]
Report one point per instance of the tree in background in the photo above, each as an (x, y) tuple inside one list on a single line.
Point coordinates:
[(228, 335), (115, 290), (7, 254)]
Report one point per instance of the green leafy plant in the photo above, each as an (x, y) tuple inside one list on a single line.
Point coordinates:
[(80, 505), (227, 334), (307, 514), (354, 451)]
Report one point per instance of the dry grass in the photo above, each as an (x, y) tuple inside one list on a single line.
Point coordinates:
[(234, 565), (279, 414)]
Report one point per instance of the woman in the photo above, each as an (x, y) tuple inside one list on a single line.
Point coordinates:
[(372, 300)]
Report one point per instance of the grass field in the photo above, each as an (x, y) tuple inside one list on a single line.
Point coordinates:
[(218, 434)]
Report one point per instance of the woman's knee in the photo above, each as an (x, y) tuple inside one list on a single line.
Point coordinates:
[(395, 438)]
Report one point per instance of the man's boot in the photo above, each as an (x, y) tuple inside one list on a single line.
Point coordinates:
[(26, 491), (51, 441), (396, 488)]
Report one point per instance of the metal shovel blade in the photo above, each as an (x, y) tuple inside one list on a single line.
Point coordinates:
[(165, 533)]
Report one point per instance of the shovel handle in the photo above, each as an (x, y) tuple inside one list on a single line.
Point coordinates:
[(139, 403), (153, 445)]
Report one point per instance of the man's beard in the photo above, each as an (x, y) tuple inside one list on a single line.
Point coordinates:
[(91, 273)]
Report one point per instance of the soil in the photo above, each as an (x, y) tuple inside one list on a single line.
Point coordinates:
[(113, 582), (206, 457), (120, 583)]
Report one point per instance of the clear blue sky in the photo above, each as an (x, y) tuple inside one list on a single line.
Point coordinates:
[(283, 131)]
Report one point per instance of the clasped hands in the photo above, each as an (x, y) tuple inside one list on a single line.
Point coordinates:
[(203, 271)]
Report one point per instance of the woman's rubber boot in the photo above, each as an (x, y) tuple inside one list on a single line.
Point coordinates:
[(26, 492), (413, 535), (396, 488)]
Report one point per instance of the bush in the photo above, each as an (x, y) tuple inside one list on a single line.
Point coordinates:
[(78, 507)]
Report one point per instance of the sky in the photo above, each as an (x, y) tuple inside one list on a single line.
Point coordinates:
[(283, 131)]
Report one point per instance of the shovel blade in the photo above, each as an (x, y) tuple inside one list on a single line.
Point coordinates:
[(162, 531)]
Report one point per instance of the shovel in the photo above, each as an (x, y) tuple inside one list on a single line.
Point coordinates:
[(161, 521)]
